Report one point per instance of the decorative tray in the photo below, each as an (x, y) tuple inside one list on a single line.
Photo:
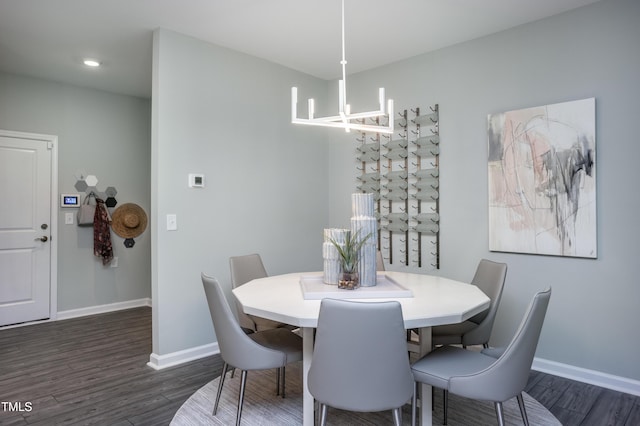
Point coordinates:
[(313, 288)]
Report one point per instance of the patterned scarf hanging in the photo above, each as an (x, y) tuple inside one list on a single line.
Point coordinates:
[(102, 233)]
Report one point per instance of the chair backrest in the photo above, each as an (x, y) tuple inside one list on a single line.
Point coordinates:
[(360, 360), (508, 376), (246, 268), (236, 348), (489, 277)]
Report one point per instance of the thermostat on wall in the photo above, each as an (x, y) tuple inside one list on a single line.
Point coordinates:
[(196, 180), (69, 200)]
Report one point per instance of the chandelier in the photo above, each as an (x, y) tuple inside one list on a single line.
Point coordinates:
[(345, 118)]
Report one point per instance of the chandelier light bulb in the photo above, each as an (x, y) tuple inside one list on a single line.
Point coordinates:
[(91, 63)]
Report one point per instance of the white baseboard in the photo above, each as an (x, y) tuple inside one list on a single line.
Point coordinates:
[(101, 309), (597, 378), (158, 362)]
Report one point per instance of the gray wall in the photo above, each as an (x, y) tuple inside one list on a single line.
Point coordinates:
[(226, 115), (104, 134), (590, 52)]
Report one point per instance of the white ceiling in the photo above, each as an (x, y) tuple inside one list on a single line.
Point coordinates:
[(48, 38)]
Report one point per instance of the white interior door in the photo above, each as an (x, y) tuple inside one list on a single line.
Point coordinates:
[(25, 227)]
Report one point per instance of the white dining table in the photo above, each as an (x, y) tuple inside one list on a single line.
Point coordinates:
[(432, 301)]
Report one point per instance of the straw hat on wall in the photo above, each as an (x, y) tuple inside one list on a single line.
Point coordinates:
[(129, 220)]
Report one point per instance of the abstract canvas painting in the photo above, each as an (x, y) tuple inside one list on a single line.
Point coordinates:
[(542, 180)]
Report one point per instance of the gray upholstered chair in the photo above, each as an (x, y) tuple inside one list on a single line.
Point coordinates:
[(481, 376), (261, 350), (244, 269), (360, 358), (489, 277)]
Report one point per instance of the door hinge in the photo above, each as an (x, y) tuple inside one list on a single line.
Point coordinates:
[(50, 145)]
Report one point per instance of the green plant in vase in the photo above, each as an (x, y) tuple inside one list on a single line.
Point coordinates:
[(350, 257)]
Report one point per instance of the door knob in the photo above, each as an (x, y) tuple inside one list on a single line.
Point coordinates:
[(43, 239)]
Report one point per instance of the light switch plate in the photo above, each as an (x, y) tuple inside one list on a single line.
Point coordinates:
[(172, 222), (68, 218)]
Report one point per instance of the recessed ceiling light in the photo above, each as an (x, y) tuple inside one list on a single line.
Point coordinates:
[(91, 63)]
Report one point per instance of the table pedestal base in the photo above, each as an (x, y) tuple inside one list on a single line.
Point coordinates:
[(307, 354)]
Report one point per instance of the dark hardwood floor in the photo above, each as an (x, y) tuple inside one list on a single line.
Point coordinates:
[(92, 370)]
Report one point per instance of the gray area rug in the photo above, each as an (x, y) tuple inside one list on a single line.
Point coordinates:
[(263, 407)]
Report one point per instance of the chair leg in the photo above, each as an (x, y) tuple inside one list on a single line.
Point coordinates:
[(433, 399), (282, 380), (220, 384), (445, 405), (499, 413), (523, 411), (322, 420), (397, 416), (414, 404), (280, 376), (243, 383)]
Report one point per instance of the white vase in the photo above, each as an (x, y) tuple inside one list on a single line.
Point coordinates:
[(364, 222), (332, 265)]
